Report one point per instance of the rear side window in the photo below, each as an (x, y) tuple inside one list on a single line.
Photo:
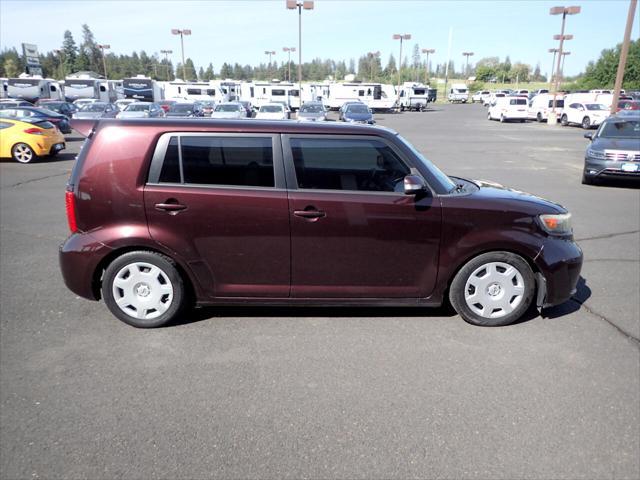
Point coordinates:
[(4, 125), (347, 164), (518, 101), (217, 160)]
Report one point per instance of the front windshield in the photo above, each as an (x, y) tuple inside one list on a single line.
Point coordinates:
[(444, 180), (184, 108), (595, 106), (312, 109), (357, 109), (93, 107), (271, 109), (136, 107), (621, 129), (227, 108)]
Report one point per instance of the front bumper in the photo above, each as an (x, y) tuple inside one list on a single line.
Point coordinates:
[(599, 168), (560, 263)]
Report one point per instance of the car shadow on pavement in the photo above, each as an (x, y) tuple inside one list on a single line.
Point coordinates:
[(205, 313), (631, 183), (583, 293)]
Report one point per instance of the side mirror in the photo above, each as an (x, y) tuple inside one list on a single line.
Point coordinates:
[(414, 184), (589, 135)]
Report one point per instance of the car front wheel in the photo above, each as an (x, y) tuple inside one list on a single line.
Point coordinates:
[(586, 123), (144, 289), (564, 121), (493, 289), (23, 153)]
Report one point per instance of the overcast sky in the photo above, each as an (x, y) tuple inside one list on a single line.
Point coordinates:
[(240, 31)]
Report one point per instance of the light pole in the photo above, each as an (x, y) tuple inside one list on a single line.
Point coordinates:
[(307, 5), (426, 72), (269, 52), (564, 11), (182, 33), (467, 54), (166, 60), (553, 63), (104, 59), (624, 51), (564, 54), (374, 56), (401, 37), (289, 50)]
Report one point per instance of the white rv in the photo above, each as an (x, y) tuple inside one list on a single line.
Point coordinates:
[(458, 93), (315, 92), (231, 89), (414, 96), (76, 88), (376, 96), (142, 88), (279, 92), (33, 89), (194, 91)]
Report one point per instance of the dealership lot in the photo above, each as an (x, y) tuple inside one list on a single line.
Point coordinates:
[(323, 393)]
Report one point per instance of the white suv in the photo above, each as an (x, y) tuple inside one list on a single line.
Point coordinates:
[(586, 114)]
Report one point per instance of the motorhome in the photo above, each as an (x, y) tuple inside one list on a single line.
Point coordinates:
[(603, 97), (142, 88), (458, 93), (281, 92), (414, 96), (315, 92), (376, 96), (230, 88), (76, 88), (541, 105), (116, 86), (33, 89)]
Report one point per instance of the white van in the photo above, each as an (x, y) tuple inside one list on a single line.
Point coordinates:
[(541, 105), (458, 93), (508, 108)]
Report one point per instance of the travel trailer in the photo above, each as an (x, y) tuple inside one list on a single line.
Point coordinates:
[(142, 88), (376, 96), (414, 96), (194, 91), (280, 92), (33, 89), (85, 87), (458, 93)]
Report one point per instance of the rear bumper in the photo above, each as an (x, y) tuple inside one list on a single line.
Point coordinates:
[(79, 258), (560, 263)]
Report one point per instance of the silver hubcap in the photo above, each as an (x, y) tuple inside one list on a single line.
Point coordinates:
[(22, 153), (142, 290), (494, 290)]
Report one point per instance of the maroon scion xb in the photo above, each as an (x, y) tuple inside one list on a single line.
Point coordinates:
[(165, 214)]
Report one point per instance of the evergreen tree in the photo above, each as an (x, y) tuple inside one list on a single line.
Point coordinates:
[(226, 71), (391, 68), (191, 70), (69, 52), (91, 50), (10, 68), (208, 74)]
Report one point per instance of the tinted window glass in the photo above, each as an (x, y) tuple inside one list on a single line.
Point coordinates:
[(170, 172), (336, 164), (5, 125), (228, 161)]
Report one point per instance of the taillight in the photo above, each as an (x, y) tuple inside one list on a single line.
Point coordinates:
[(70, 203), (34, 131)]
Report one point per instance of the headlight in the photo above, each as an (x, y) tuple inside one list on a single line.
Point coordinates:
[(596, 154), (559, 224)]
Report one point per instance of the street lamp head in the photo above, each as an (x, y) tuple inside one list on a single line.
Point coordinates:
[(175, 31), (396, 36), (285, 49), (307, 4), (554, 50), (104, 47), (167, 52), (293, 49), (407, 36), (566, 53), (428, 50), (564, 10), (292, 4), (573, 10), (467, 54), (186, 32), (563, 37)]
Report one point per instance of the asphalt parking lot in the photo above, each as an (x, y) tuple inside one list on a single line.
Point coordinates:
[(330, 393)]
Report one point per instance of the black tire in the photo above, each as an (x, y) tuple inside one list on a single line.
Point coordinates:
[(586, 123), (539, 117), (167, 267), (502, 119), (457, 289), (23, 153), (564, 121), (489, 116)]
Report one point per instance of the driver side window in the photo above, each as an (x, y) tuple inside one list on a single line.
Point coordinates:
[(347, 164)]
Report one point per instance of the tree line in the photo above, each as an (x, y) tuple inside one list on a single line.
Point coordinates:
[(86, 55)]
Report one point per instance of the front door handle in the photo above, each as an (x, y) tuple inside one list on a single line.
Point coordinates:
[(171, 206), (310, 213)]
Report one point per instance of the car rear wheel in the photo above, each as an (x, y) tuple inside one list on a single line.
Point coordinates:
[(586, 123), (23, 153), (502, 119), (539, 117), (493, 289), (144, 289), (489, 116), (564, 121)]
